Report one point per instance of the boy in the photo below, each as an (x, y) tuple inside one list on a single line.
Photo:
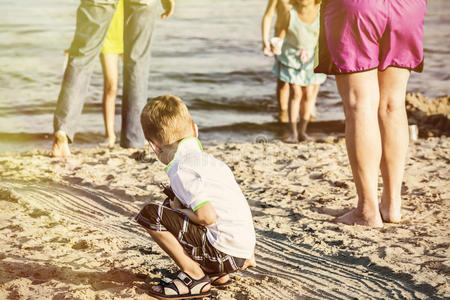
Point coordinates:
[(207, 227)]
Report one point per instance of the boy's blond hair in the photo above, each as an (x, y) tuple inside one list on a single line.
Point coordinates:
[(166, 119)]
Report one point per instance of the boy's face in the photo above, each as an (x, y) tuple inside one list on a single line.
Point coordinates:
[(165, 153)]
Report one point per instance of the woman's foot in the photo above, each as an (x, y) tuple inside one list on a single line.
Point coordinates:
[(354, 217), (391, 213), (60, 146)]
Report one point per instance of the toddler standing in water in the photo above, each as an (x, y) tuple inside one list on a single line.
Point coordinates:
[(295, 65)]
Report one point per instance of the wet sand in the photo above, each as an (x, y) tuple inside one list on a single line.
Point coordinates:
[(67, 229)]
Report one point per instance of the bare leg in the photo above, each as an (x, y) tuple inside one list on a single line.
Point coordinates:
[(394, 139), (360, 95), (60, 146), (315, 92), (168, 242), (283, 100), (294, 106), (110, 85), (305, 110)]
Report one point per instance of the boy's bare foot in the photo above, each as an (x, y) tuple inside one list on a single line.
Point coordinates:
[(249, 263), (220, 280), (390, 214), (60, 146), (354, 217)]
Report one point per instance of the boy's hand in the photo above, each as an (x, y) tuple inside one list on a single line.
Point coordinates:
[(168, 6), (176, 204)]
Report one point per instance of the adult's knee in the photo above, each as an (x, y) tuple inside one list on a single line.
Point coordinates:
[(362, 107), (390, 107)]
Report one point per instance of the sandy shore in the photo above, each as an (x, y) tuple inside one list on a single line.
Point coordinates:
[(67, 229)]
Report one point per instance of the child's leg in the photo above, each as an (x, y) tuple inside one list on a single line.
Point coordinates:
[(294, 105), (315, 92), (283, 100), (110, 68), (163, 224), (307, 101)]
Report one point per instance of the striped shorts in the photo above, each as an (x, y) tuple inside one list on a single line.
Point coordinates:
[(191, 236)]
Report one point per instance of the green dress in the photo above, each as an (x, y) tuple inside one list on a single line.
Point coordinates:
[(295, 64)]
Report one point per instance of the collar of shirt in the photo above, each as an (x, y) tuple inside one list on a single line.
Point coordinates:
[(186, 145)]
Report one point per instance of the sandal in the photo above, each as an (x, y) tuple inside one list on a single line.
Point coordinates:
[(215, 279), (170, 289)]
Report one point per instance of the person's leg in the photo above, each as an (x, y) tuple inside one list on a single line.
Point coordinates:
[(93, 21), (315, 92), (110, 65), (283, 100), (305, 111), (164, 224), (360, 95), (394, 139), (140, 17), (294, 107)]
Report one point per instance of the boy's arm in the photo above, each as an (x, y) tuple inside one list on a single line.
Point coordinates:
[(205, 215), (265, 27)]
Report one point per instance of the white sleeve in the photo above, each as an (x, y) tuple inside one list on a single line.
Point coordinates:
[(187, 185)]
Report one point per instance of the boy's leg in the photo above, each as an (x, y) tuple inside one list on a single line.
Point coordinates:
[(93, 19), (140, 17), (165, 225)]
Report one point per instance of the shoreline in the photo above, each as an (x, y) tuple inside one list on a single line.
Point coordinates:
[(68, 226)]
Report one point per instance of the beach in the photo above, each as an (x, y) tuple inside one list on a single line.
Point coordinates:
[(67, 229)]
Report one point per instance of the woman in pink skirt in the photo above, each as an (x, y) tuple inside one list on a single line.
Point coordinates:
[(371, 47)]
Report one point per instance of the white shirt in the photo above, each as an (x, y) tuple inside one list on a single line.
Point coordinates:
[(198, 178)]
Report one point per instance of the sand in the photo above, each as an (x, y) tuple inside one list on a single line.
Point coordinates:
[(67, 228)]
